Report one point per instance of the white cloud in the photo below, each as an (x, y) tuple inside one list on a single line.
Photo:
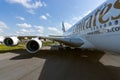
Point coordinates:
[(20, 18), (55, 30), (31, 11), (77, 18), (67, 25), (43, 17), (47, 14), (25, 32), (35, 31), (3, 25), (87, 13), (24, 25), (1, 31), (44, 4), (1, 38), (39, 29), (80, 17), (29, 3)]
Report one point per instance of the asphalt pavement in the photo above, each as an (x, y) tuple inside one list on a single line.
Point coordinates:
[(59, 65)]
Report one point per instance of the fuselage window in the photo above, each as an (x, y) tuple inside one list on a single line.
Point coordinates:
[(100, 26), (97, 27), (94, 28), (116, 22), (105, 25), (110, 23)]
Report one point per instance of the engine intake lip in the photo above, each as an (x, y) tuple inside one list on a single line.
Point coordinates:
[(32, 46), (8, 42)]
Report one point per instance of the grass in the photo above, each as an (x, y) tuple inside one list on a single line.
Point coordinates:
[(4, 48), (47, 43)]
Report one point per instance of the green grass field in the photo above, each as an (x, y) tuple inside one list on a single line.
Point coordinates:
[(4, 48)]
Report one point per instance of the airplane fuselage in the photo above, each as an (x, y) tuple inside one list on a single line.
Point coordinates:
[(101, 28)]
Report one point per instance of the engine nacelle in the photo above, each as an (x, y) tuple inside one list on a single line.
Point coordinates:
[(11, 41), (33, 45)]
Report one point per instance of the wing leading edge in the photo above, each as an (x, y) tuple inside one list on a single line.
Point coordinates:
[(72, 42)]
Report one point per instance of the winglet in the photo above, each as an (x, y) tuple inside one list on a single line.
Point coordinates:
[(63, 27)]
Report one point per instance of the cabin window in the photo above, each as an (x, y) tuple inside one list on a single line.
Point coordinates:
[(100, 26), (116, 22), (93, 28), (97, 27), (110, 23), (105, 25)]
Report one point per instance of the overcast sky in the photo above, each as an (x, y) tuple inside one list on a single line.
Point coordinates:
[(41, 17)]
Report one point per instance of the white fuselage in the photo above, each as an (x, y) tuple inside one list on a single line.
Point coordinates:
[(101, 28)]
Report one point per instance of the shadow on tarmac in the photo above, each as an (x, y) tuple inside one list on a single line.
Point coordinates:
[(72, 65)]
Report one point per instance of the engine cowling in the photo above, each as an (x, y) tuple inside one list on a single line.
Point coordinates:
[(33, 45), (11, 41)]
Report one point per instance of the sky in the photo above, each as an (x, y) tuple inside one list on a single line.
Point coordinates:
[(42, 17)]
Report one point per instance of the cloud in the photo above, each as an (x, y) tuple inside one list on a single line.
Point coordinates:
[(67, 25), (3, 25), (77, 18), (29, 3), (39, 29), (20, 18), (87, 13), (24, 25), (25, 32), (31, 11), (43, 17), (35, 31), (1, 38), (47, 14), (55, 30), (44, 4), (1, 31), (80, 17)]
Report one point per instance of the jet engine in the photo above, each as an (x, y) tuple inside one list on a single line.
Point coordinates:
[(33, 45), (11, 41)]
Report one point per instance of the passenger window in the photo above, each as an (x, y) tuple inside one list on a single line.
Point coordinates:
[(105, 25), (100, 26), (116, 22), (110, 23), (97, 27)]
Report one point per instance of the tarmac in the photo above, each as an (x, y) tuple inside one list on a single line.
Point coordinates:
[(59, 65)]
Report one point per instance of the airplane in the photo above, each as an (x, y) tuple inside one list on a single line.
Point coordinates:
[(100, 30)]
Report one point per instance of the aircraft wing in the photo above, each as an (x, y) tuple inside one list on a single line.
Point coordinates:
[(35, 44), (70, 41)]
